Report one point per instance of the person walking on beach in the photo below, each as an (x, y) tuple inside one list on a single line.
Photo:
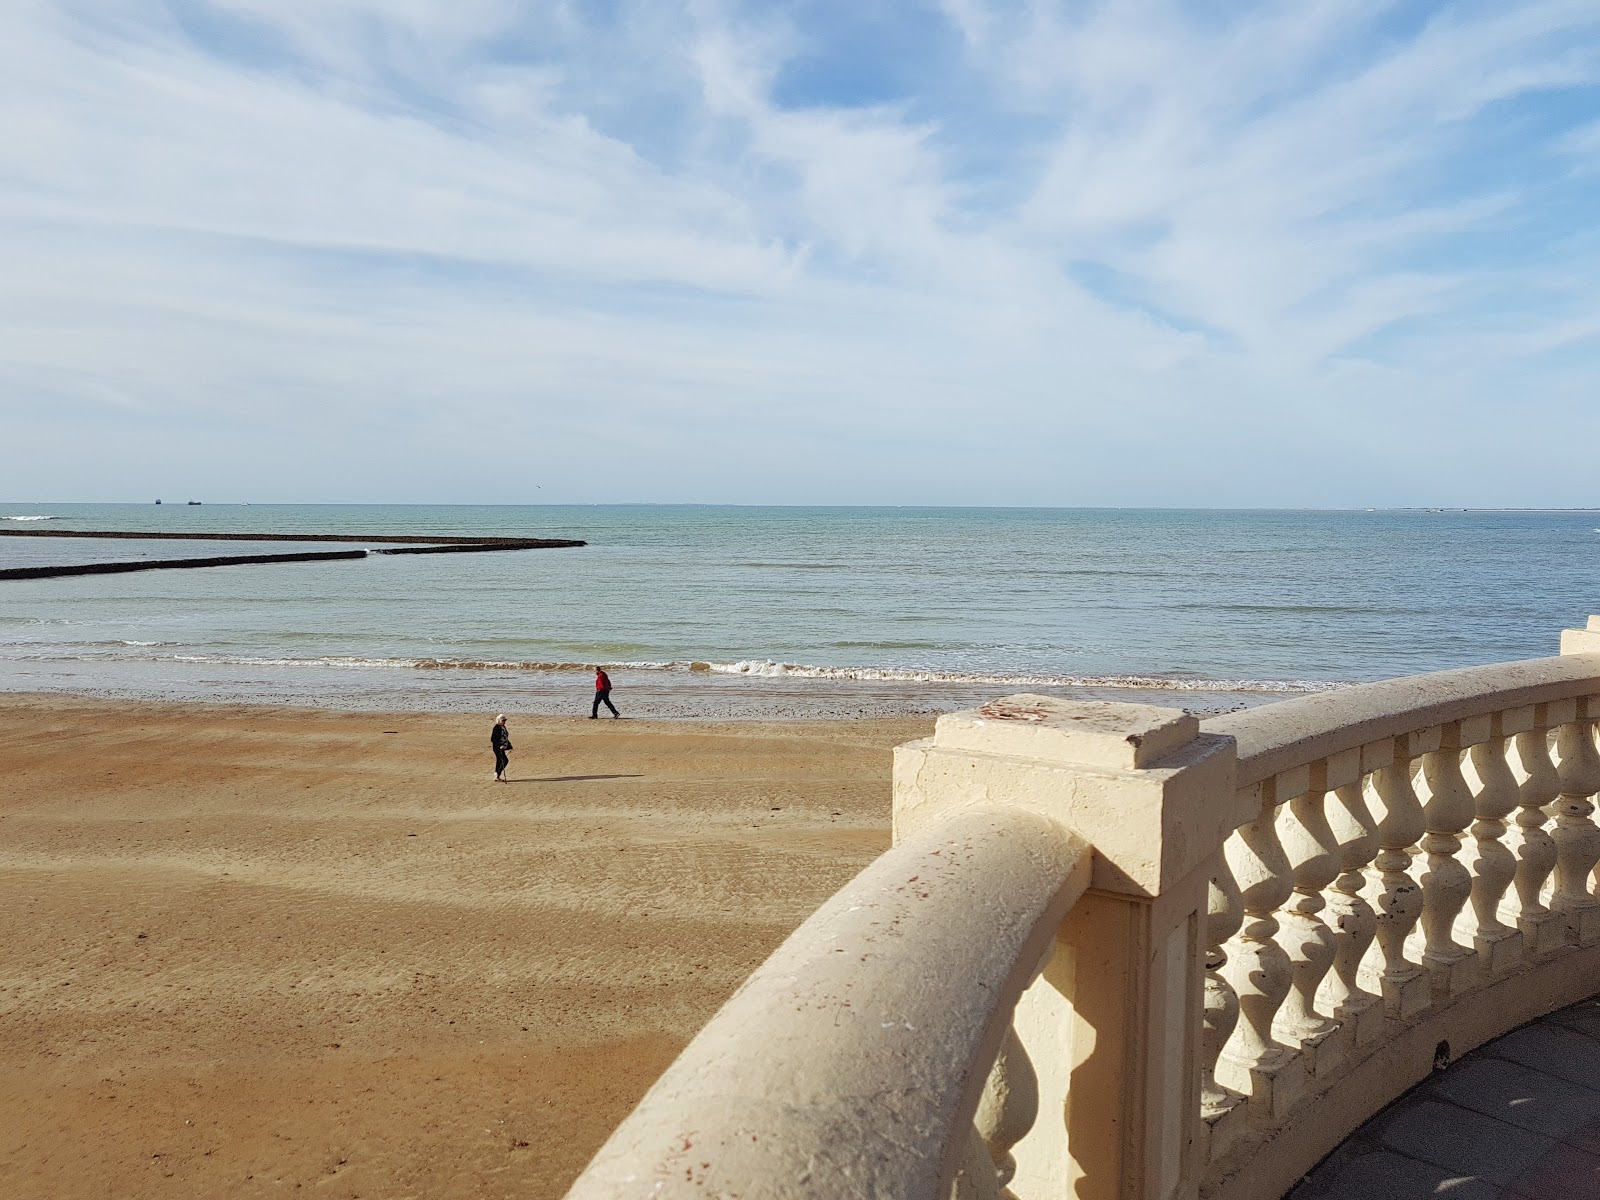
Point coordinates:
[(602, 694), (500, 741)]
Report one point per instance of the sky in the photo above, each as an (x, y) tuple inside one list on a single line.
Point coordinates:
[(1017, 252)]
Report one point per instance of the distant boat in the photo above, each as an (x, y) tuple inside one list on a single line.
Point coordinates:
[(158, 502), (194, 502)]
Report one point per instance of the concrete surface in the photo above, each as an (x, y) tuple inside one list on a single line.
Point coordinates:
[(1518, 1119)]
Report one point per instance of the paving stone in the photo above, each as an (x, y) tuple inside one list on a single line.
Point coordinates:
[(1465, 1142), (1518, 1095), (1565, 1173), (1587, 1139), (1314, 1186), (1518, 1119), (1554, 1049), (1384, 1175), (1583, 1017)]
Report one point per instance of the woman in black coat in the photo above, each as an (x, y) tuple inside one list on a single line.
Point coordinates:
[(500, 741)]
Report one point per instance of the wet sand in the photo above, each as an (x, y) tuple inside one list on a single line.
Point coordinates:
[(254, 951)]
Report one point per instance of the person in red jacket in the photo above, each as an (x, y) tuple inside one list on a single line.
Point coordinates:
[(602, 694)]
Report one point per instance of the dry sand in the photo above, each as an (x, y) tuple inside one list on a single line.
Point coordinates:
[(254, 951)]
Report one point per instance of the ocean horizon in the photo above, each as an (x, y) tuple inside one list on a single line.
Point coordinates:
[(736, 610)]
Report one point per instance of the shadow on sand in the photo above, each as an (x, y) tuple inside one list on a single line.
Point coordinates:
[(572, 778)]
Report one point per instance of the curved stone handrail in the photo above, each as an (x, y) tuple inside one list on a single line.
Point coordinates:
[(1291, 733), (852, 1063)]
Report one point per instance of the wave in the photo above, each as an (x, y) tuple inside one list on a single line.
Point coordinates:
[(776, 670), (32, 518), (95, 644), (256, 660), (423, 664), (911, 675)]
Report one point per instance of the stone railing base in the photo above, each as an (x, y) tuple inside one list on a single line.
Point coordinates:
[(1265, 1166)]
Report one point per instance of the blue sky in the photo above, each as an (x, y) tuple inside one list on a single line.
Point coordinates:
[(1215, 253)]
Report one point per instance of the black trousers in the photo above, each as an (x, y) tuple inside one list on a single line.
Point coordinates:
[(501, 760), (603, 698)]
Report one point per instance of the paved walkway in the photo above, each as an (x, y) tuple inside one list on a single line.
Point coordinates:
[(1517, 1119)]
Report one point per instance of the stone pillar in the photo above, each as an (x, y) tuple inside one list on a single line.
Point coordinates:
[(1582, 641), (1113, 1026)]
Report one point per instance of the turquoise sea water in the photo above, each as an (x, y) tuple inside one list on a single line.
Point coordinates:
[(770, 611)]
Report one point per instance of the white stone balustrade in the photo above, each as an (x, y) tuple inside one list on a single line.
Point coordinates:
[(1490, 865), (1529, 841), (1118, 954), (1576, 837), (1219, 1103), (1399, 896), (1461, 925), (1355, 923), (1446, 884)]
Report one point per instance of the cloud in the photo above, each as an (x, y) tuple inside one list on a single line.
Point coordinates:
[(1119, 252)]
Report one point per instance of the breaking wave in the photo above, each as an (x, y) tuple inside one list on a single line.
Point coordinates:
[(776, 670), (910, 675), (31, 518)]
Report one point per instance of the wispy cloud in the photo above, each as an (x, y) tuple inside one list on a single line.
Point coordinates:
[(996, 251)]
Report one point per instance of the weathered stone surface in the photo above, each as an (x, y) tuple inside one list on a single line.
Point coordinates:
[(1095, 733)]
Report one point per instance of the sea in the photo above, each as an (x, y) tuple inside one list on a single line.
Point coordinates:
[(728, 612)]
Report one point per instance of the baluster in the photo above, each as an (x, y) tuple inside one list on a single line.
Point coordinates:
[(1445, 882), (1224, 915), (1402, 982), (1303, 934), (1576, 837), (1488, 860), (1528, 840), (975, 1178), (1253, 1061), (1354, 922), (1007, 1110)]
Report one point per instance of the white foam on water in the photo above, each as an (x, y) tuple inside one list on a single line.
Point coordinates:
[(31, 518), (254, 660), (904, 675), (777, 670)]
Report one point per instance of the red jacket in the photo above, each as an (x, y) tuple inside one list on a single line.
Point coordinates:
[(602, 682)]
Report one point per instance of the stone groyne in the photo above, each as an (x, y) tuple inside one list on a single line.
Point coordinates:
[(401, 544), (143, 535)]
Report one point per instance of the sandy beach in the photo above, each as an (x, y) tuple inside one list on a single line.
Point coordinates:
[(251, 951)]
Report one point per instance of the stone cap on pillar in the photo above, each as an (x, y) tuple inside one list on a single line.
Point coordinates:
[(1143, 785), (1093, 732), (1582, 641)]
